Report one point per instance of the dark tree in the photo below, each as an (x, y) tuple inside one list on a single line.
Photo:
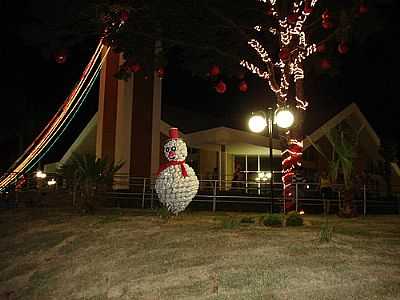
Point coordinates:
[(272, 39)]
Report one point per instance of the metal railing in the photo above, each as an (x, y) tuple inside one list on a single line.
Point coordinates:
[(218, 195)]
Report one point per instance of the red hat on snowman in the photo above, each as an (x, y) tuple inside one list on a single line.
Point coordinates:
[(173, 133)]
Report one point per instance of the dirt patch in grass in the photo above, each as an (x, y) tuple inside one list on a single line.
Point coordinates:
[(132, 254)]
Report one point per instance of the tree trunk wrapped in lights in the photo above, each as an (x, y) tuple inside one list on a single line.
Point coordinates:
[(284, 74)]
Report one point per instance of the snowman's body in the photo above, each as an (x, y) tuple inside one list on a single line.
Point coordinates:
[(176, 184)]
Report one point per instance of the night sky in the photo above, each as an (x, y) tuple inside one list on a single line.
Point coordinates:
[(35, 86)]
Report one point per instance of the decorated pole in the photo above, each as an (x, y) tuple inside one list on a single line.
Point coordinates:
[(285, 72)]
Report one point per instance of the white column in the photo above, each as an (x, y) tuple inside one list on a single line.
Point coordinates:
[(155, 134), (123, 131), (100, 112)]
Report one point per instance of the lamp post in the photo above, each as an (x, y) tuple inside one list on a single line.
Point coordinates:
[(257, 123), (282, 117)]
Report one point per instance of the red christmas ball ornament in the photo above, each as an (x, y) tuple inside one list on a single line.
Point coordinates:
[(220, 87), (215, 71), (243, 87), (124, 16), (292, 19), (327, 24), (61, 56), (270, 12), (135, 68), (308, 9), (325, 64), (343, 48), (325, 15), (284, 54), (363, 9), (161, 72), (321, 48)]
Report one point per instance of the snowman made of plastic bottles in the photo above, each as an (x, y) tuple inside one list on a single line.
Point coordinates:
[(176, 183)]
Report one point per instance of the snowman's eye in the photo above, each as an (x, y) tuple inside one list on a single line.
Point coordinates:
[(167, 149), (173, 148)]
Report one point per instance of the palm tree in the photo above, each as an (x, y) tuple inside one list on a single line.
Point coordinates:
[(344, 142), (388, 150), (88, 174)]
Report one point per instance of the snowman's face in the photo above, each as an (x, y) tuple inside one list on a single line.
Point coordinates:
[(175, 150)]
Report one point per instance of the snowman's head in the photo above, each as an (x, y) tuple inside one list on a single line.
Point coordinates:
[(175, 150)]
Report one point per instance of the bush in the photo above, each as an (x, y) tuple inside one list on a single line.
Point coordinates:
[(326, 233), (163, 213), (294, 219), (230, 223), (248, 220), (273, 220)]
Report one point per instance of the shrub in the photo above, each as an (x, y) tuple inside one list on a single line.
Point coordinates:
[(294, 219), (326, 233), (230, 223), (163, 213), (273, 220), (248, 220)]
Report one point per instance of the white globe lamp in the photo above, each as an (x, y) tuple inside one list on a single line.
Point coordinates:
[(284, 118), (257, 123)]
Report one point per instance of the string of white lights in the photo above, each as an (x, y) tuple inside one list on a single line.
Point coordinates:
[(49, 133), (254, 69)]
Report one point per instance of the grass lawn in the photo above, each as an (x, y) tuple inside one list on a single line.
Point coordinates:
[(128, 254)]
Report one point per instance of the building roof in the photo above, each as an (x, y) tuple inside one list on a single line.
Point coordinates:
[(235, 141), (351, 113)]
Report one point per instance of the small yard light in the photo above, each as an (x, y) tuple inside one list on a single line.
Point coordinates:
[(40, 174), (263, 176), (301, 212), (284, 118), (51, 182), (257, 123)]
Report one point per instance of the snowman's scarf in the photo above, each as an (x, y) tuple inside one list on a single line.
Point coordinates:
[(173, 163)]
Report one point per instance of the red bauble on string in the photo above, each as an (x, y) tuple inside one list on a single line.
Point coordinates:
[(363, 9), (343, 48), (327, 24), (215, 71), (270, 12), (308, 9), (321, 48), (325, 64), (284, 54), (325, 15), (243, 87), (135, 68), (161, 72), (124, 16), (220, 87), (61, 56), (292, 18)]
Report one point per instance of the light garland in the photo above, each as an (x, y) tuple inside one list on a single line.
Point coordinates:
[(56, 126), (60, 121), (254, 69)]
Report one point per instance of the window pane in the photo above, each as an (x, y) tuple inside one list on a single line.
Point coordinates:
[(240, 162), (252, 163), (264, 163)]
